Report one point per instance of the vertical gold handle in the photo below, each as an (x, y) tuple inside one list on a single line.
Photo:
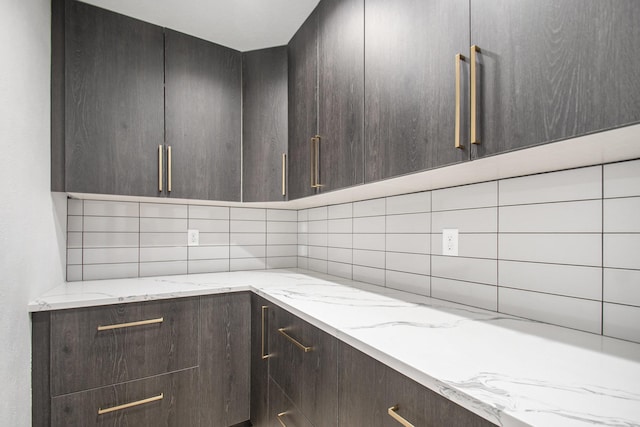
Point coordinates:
[(317, 165), (474, 93), (284, 174), (279, 418), (160, 168), (394, 414), (459, 59), (130, 405), (313, 162), (169, 169), (263, 355)]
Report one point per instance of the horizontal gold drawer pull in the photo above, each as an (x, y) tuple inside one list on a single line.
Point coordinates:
[(130, 324), (296, 342), (392, 412), (131, 405), (279, 418)]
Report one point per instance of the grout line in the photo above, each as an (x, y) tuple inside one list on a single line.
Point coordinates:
[(498, 247), (602, 253)]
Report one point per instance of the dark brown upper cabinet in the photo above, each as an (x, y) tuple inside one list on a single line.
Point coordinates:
[(264, 141), (550, 70), (107, 77), (410, 97), (202, 118)]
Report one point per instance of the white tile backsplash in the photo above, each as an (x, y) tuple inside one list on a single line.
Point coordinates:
[(163, 268), (622, 251), (575, 249), (621, 321), (466, 269), (408, 263), (480, 220), (470, 245), (371, 224), (111, 240), (408, 223), (163, 225), (109, 224), (74, 207), (162, 210), (414, 283), (209, 225), (155, 254), (340, 211), (465, 197), (568, 217), (208, 212), (622, 215), (622, 286), (162, 239), (475, 294), (412, 243), (109, 208), (373, 242), (374, 207), (109, 271), (371, 275), (622, 179), (248, 214), (409, 203), (109, 255)]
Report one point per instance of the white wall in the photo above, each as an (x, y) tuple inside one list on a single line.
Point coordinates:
[(30, 229)]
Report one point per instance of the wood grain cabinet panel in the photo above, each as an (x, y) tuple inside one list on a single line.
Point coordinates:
[(282, 411), (83, 357), (259, 364), (113, 100), (176, 408), (264, 141), (409, 100), (203, 117), (551, 70)]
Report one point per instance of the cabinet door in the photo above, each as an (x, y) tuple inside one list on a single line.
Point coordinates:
[(264, 94), (259, 361), (225, 346), (410, 49), (303, 105), (550, 70), (282, 412), (203, 117), (308, 378), (114, 103), (341, 92)]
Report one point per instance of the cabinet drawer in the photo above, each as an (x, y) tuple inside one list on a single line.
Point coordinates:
[(94, 347), (308, 377), (164, 400), (282, 412)]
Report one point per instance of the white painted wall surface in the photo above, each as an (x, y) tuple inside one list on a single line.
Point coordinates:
[(32, 220)]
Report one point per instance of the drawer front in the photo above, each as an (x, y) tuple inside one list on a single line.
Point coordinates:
[(83, 357), (164, 400), (282, 412), (309, 378)]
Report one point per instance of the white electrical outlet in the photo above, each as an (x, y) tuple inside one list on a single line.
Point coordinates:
[(193, 238), (450, 241)]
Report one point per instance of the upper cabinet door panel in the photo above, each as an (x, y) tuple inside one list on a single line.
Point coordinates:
[(203, 117), (303, 104), (114, 102), (341, 92), (550, 70), (410, 48)]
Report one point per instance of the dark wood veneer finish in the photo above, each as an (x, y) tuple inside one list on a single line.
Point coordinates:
[(259, 366)]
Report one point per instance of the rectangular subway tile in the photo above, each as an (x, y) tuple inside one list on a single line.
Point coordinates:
[(621, 321), (372, 224), (408, 282), (74, 256), (74, 239), (282, 251), (340, 240), (319, 265), (254, 239), (567, 280), (318, 226), (622, 215), (282, 215), (209, 225), (163, 225), (473, 294), (303, 215), (214, 239), (622, 179), (340, 270), (465, 197), (74, 273), (282, 262), (622, 251), (470, 245), (465, 269), (317, 239), (303, 227), (208, 266), (282, 239), (575, 249), (163, 254), (341, 255), (74, 207), (162, 210), (303, 263), (374, 276), (576, 313), (622, 286), (317, 252), (163, 268), (248, 214), (374, 242), (282, 227), (369, 258), (208, 252), (74, 223), (317, 214), (408, 223), (411, 243), (208, 212), (163, 239), (248, 226), (247, 251), (110, 224), (344, 210), (409, 203), (109, 255), (302, 239), (481, 220), (109, 271), (568, 217), (111, 240), (340, 225), (374, 207), (408, 263), (111, 208), (574, 184), (247, 264)]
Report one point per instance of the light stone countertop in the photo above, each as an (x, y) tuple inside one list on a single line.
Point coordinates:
[(511, 371)]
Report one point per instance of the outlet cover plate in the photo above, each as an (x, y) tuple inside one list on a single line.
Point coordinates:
[(193, 238), (450, 241)]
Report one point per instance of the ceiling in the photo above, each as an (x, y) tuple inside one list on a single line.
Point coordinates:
[(239, 24)]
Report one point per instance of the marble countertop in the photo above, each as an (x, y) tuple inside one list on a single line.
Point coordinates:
[(511, 371)]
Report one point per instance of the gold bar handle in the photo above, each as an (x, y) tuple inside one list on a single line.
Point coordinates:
[(313, 162), (279, 418), (130, 324), (169, 168), (131, 405), (293, 340), (459, 59), (317, 162), (474, 94), (263, 355), (394, 414), (284, 174), (160, 168)]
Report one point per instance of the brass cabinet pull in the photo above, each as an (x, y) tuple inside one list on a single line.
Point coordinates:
[(474, 93), (131, 405), (459, 59), (284, 174), (263, 355), (160, 168), (313, 162), (317, 162), (169, 168), (130, 324), (279, 418), (392, 412), (296, 342)]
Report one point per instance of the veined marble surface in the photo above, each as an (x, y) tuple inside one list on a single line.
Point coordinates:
[(511, 371)]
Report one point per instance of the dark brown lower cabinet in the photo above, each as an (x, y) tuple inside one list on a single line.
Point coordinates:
[(303, 362), (368, 388), (282, 412), (163, 400), (259, 361)]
